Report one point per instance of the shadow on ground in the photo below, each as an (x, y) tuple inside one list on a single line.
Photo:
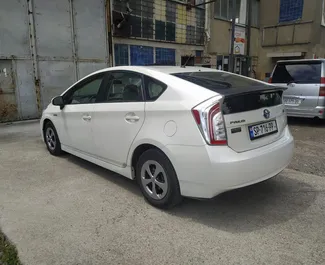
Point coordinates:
[(306, 122), (243, 210), (251, 208), (106, 174)]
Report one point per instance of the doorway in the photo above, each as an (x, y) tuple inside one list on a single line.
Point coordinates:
[(187, 60)]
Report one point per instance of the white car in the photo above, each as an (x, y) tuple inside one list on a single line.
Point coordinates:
[(179, 131)]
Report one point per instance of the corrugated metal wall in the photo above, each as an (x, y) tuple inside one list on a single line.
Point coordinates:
[(44, 47)]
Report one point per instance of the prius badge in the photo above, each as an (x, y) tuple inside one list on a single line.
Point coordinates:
[(266, 113)]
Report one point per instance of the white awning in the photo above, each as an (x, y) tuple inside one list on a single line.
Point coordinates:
[(284, 54)]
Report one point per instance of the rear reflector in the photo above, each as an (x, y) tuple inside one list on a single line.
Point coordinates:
[(270, 80), (322, 91), (196, 115), (322, 87)]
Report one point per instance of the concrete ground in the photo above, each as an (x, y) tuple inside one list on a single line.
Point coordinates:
[(68, 211)]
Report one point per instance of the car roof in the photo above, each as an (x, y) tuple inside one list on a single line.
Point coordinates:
[(301, 60), (179, 69), (162, 69)]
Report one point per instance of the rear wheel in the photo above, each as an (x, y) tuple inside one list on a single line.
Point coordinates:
[(52, 140), (157, 179)]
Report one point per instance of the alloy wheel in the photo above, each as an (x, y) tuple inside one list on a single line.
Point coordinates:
[(50, 138), (154, 179)]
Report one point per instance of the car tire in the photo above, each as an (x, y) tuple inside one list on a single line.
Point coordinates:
[(52, 140), (157, 179)]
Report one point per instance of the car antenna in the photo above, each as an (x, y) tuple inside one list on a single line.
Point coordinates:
[(183, 66)]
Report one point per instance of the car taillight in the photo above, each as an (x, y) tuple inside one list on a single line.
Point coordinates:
[(322, 87), (209, 119), (270, 80)]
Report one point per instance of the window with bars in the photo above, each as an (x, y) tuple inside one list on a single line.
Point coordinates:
[(121, 52), (161, 20), (223, 10), (141, 55), (165, 56), (255, 18), (291, 10)]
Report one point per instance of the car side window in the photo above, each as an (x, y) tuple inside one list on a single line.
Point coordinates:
[(84, 93), (125, 87), (154, 88)]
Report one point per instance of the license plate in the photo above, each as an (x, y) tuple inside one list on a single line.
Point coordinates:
[(262, 129), (292, 101)]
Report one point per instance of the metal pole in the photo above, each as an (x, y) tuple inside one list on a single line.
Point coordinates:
[(73, 40), (32, 35), (249, 27), (233, 25), (109, 23)]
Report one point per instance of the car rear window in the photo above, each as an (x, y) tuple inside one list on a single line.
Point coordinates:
[(297, 72), (218, 80), (241, 93)]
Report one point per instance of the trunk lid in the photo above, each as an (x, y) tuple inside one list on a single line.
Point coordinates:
[(254, 118), (249, 108)]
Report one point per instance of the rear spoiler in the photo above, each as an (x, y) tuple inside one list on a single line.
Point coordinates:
[(232, 92)]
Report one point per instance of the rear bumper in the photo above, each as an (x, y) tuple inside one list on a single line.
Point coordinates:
[(206, 171), (318, 112)]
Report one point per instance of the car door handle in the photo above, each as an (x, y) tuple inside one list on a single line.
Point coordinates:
[(132, 118), (86, 118)]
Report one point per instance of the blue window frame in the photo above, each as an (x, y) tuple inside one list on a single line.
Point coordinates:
[(121, 52), (291, 10), (141, 55), (165, 56)]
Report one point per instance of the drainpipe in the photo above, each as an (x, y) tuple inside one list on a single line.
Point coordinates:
[(207, 24), (233, 25), (249, 28), (109, 23)]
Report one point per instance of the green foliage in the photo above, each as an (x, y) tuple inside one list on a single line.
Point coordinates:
[(8, 252)]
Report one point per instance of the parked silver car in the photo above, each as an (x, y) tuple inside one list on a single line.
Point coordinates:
[(305, 82)]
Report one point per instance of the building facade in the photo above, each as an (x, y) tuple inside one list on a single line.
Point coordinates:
[(219, 46), (45, 46), (280, 30), (290, 29), (157, 32)]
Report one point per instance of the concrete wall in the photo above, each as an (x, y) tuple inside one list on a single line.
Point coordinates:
[(220, 38)]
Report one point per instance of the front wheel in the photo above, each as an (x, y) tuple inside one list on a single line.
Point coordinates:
[(157, 179), (52, 140)]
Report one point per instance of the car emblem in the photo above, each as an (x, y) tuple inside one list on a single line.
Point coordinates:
[(266, 114)]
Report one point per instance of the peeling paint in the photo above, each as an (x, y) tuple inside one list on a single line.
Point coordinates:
[(8, 110), (8, 104)]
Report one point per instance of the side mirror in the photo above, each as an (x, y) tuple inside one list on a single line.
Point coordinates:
[(58, 101)]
